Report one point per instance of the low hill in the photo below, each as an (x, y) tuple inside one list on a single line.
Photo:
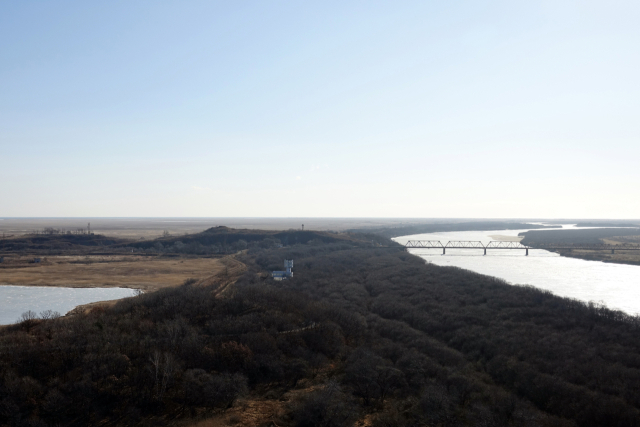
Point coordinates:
[(223, 238), (57, 242)]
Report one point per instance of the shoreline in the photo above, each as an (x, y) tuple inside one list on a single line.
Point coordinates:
[(601, 257), (225, 266), (582, 276)]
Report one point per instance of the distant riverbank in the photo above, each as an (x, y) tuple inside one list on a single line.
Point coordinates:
[(404, 230), (591, 236), (585, 280)]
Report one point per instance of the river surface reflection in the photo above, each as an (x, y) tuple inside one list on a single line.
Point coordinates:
[(15, 300), (615, 285)]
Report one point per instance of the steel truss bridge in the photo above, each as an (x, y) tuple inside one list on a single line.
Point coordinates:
[(470, 244)]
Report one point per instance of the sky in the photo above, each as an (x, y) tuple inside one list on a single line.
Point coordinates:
[(418, 109)]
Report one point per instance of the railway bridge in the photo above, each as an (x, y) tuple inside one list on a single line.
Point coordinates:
[(500, 245)]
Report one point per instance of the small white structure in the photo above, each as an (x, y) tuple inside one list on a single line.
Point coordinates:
[(282, 275)]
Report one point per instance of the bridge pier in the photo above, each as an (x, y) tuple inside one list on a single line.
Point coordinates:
[(444, 251), (527, 252), (613, 251), (485, 251)]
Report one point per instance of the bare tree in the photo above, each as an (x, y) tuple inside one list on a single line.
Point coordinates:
[(28, 319), (155, 360), (168, 370), (49, 314), (163, 368), (28, 316)]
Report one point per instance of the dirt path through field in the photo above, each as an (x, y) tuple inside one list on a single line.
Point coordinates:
[(231, 270), (227, 272)]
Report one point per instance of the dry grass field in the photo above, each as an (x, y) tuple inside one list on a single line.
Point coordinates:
[(151, 228), (140, 272), (620, 256)]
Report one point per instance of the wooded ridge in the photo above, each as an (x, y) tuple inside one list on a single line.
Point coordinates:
[(393, 340)]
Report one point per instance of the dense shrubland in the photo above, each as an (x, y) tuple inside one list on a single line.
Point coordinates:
[(376, 333), (570, 359), (224, 237), (56, 242), (216, 240)]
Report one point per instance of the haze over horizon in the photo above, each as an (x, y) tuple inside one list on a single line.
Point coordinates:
[(324, 109)]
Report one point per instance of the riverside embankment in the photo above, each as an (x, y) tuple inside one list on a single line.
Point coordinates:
[(615, 285)]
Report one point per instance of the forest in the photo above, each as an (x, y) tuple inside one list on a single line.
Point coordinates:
[(360, 333), (215, 240), (56, 243)]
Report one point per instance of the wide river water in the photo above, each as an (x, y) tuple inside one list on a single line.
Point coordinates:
[(615, 285), (15, 300)]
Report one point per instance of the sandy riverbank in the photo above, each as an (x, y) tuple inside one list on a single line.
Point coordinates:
[(502, 238)]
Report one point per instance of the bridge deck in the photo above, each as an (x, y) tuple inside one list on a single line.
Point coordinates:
[(468, 244)]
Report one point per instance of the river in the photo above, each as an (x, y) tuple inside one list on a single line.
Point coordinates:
[(15, 300), (615, 285)]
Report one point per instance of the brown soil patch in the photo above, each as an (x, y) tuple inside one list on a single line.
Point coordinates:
[(254, 411)]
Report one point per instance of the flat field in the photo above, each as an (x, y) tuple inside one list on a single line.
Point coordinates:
[(151, 228), (620, 256), (141, 272)]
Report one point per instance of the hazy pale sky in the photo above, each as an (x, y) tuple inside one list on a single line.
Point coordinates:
[(320, 108)]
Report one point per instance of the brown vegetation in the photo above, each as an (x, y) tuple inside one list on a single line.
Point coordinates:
[(609, 236), (151, 228), (360, 336), (619, 257), (140, 272)]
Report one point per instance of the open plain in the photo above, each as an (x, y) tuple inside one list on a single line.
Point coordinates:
[(151, 228), (129, 271)]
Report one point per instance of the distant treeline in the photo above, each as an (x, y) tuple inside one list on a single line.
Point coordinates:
[(227, 240), (378, 332), (57, 242), (217, 240), (586, 236), (224, 236), (608, 223), (390, 232)]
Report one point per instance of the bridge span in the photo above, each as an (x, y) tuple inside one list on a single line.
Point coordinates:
[(500, 245)]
